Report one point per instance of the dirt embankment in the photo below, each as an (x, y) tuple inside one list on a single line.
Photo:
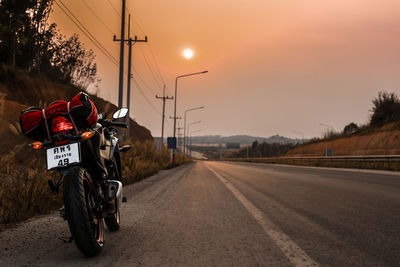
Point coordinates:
[(381, 141)]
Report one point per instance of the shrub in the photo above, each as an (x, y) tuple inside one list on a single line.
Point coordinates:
[(386, 109), (350, 128), (24, 191), (143, 160)]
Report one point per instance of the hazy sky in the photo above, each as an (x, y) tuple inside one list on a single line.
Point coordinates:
[(275, 66)]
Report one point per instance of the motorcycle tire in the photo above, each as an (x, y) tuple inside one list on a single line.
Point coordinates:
[(86, 226)]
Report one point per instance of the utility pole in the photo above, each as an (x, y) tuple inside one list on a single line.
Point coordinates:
[(128, 94), (179, 135), (164, 98), (121, 57), (173, 150), (130, 42)]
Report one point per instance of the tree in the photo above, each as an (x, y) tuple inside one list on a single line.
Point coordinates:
[(255, 144), (23, 31), (386, 108), (14, 28), (350, 128), (72, 63), (27, 41)]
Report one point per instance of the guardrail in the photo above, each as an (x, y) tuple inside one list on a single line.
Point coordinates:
[(379, 162)]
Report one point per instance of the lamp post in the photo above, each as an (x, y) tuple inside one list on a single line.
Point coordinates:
[(176, 89), (302, 140), (191, 133), (302, 136), (332, 129), (327, 126), (184, 128), (191, 123)]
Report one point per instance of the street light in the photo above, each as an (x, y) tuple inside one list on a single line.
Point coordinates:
[(332, 130), (184, 128), (176, 89), (191, 123), (302, 136), (302, 139), (327, 126), (191, 134)]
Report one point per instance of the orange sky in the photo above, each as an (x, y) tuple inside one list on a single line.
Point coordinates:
[(275, 66)]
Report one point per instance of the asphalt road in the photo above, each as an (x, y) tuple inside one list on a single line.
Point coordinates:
[(235, 214)]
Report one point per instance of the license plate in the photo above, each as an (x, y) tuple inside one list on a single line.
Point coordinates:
[(62, 156)]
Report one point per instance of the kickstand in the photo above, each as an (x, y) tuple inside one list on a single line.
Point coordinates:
[(66, 240)]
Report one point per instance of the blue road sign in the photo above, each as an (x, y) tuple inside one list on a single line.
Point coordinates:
[(171, 142)]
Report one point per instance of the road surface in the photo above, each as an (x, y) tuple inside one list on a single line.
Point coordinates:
[(235, 214)]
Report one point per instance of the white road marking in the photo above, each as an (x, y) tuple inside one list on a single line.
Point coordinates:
[(292, 251)]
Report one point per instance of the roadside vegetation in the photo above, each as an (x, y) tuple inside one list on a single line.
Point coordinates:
[(379, 136), (144, 160), (257, 150)]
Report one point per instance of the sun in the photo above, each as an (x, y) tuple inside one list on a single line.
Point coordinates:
[(188, 53)]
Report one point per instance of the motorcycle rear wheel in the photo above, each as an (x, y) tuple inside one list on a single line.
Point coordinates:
[(85, 224)]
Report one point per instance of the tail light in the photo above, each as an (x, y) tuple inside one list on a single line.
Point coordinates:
[(61, 124), (37, 145)]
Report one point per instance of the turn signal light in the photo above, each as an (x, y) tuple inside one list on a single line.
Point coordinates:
[(37, 145), (87, 135)]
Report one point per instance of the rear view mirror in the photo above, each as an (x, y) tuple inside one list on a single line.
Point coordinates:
[(120, 113)]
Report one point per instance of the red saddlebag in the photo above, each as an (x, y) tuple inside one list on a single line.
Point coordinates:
[(32, 123), (83, 111)]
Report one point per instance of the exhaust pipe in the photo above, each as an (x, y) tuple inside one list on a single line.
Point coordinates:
[(114, 196)]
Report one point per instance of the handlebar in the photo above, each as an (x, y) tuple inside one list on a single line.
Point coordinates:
[(108, 123), (119, 124)]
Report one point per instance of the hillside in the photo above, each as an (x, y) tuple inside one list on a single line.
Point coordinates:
[(241, 139), (19, 90), (373, 141)]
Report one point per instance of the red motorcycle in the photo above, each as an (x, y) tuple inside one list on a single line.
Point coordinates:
[(83, 146)]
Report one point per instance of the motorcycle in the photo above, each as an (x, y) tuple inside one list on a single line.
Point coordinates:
[(84, 150)]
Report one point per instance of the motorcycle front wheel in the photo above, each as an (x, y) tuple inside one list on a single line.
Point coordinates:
[(85, 222)]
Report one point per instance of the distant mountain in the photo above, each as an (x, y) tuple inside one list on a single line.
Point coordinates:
[(242, 139)]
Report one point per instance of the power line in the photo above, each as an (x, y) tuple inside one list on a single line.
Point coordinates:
[(94, 13), (86, 32), (146, 85), (155, 60), (80, 23), (116, 11), (135, 21), (145, 97), (150, 67)]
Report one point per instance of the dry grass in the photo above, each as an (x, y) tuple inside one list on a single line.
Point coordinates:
[(144, 160), (23, 188), (385, 140)]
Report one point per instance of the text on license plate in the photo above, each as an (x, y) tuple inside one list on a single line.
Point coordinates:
[(62, 156)]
